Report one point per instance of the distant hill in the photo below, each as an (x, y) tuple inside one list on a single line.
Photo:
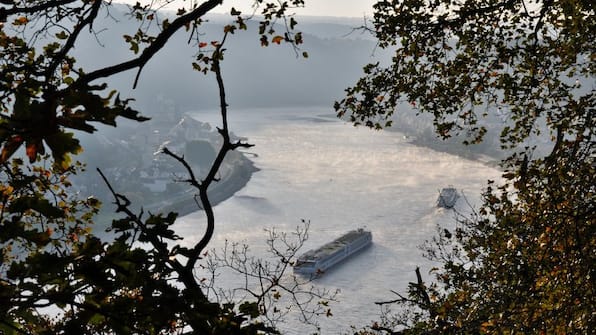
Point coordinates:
[(255, 76)]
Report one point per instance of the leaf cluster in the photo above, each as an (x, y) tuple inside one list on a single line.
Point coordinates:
[(530, 61), (42, 93), (134, 283), (514, 265), (142, 281)]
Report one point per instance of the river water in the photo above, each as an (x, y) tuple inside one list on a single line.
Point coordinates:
[(338, 177)]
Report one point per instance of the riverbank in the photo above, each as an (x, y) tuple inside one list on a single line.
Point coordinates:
[(457, 149), (184, 203)]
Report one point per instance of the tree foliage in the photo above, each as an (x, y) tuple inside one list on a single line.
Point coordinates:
[(56, 275), (522, 263)]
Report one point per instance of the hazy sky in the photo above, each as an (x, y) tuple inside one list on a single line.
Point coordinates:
[(349, 8)]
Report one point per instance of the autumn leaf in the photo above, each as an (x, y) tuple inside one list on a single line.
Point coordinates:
[(10, 147), (20, 21), (31, 151), (277, 39)]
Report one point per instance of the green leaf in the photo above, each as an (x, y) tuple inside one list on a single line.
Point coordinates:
[(62, 35), (41, 205), (9, 329), (134, 46), (235, 12), (62, 146), (249, 308)]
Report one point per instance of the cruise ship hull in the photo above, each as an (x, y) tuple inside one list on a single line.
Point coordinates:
[(315, 262)]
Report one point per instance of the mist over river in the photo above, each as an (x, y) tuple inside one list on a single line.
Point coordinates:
[(315, 167)]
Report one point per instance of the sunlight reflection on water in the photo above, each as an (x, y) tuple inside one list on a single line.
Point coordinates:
[(340, 178)]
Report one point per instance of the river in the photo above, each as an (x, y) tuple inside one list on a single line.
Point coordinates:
[(320, 169)]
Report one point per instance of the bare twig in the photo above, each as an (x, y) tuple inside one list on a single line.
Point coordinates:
[(275, 293), (70, 42), (226, 146), (147, 54)]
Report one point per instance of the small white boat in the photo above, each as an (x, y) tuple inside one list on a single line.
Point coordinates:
[(448, 197)]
